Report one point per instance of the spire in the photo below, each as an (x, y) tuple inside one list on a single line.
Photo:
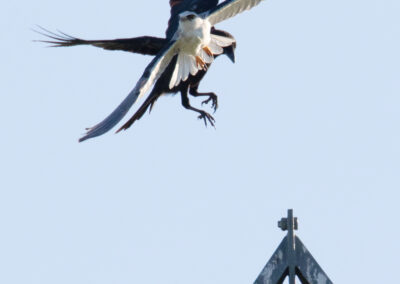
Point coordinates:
[(292, 258)]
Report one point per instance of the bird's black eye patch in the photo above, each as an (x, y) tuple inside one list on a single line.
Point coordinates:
[(190, 17)]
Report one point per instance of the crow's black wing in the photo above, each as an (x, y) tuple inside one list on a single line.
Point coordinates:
[(146, 45), (179, 6)]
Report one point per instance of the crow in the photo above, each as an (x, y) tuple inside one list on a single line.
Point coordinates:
[(149, 45), (190, 48)]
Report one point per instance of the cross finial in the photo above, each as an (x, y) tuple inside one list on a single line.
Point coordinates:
[(284, 223)]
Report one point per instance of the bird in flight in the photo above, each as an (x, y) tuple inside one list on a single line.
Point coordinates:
[(151, 46), (181, 60)]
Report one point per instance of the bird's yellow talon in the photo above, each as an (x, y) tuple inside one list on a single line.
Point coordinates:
[(200, 63), (208, 51)]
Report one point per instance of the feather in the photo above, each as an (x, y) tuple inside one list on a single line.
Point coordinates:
[(185, 67), (147, 45), (215, 48), (179, 77), (228, 9), (222, 41), (206, 58), (150, 75), (193, 65), (174, 76)]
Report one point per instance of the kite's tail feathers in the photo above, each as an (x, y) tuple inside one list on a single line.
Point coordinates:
[(227, 50), (218, 42), (185, 65)]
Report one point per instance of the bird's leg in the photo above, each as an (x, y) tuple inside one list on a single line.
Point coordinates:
[(212, 97), (200, 63), (208, 51), (203, 115)]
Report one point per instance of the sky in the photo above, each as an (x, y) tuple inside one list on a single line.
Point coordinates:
[(308, 119)]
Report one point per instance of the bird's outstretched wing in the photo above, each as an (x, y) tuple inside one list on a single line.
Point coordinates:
[(150, 75), (228, 9), (146, 45), (157, 91), (179, 6)]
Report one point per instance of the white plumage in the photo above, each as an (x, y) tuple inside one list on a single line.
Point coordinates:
[(186, 62), (195, 47), (229, 9), (196, 40)]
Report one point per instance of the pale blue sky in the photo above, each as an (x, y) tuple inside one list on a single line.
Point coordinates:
[(309, 118)]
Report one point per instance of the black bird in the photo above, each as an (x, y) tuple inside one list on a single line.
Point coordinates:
[(148, 45), (181, 61)]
